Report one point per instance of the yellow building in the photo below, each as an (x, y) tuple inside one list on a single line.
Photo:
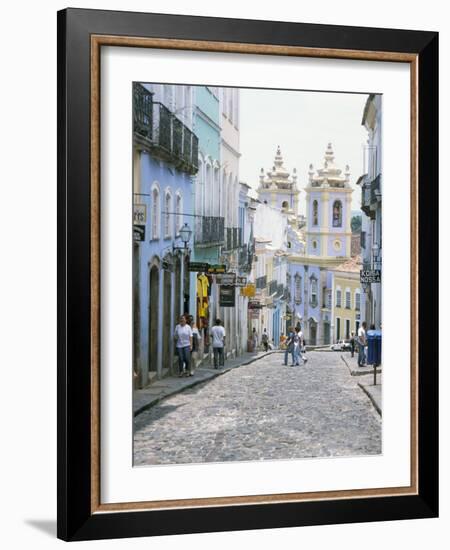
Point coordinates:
[(346, 299)]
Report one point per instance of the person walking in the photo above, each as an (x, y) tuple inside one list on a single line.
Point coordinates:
[(218, 342), (296, 341), (352, 343), (255, 339), (265, 340), (183, 342), (362, 344), (289, 346)]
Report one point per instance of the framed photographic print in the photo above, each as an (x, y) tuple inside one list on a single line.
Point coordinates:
[(247, 252)]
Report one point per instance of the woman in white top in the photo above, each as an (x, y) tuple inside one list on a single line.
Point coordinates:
[(183, 342)]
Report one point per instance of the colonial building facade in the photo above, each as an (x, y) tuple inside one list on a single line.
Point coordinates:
[(165, 158)]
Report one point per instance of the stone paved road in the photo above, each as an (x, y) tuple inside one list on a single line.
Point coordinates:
[(262, 411)]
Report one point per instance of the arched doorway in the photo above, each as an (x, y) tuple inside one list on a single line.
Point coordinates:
[(177, 301), (312, 332), (153, 312), (167, 328)]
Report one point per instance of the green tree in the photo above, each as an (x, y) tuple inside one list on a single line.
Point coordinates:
[(356, 224)]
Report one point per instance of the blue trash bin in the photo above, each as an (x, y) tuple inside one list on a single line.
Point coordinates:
[(374, 347)]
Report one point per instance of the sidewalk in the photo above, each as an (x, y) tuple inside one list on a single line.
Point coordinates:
[(352, 365), (374, 393), (147, 397)]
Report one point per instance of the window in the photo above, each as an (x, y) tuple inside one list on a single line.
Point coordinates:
[(338, 298), (357, 300), (178, 214), (329, 299), (155, 213), (216, 193), (337, 214), (313, 286), (315, 213), (298, 289), (348, 299), (167, 206)]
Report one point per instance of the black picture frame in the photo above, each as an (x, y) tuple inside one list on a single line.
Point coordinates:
[(76, 521)]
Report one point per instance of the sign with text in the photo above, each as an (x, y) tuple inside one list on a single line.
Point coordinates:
[(198, 266), (249, 291), (370, 276), (217, 268), (241, 281), (254, 305), (139, 213), (226, 279), (139, 233), (227, 296)]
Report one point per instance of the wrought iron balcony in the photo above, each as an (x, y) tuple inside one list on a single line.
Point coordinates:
[(261, 282), (158, 131), (370, 196), (234, 238), (209, 231), (273, 287)]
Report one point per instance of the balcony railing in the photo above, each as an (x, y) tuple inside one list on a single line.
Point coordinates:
[(159, 131), (370, 196), (261, 282), (234, 238), (273, 287), (209, 230)]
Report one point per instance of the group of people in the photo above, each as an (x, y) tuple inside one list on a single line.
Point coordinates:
[(360, 342), (187, 343), (294, 344)]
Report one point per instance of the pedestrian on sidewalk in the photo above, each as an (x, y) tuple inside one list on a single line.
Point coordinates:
[(352, 343), (265, 340), (218, 342), (289, 346), (183, 342), (196, 338), (255, 339), (296, 341), (362, 342)]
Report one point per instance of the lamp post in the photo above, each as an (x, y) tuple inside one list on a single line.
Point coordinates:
[(185, 236)]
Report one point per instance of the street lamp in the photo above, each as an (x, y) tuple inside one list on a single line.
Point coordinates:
[(185, 236)]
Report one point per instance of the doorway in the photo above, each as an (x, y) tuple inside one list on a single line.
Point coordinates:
[(153, 320)]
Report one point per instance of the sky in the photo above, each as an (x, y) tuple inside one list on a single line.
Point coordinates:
[(302, 124)]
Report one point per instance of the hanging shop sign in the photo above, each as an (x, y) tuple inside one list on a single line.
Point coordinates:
[(241, 281), (213, 269), (226, 279), (255, 305), (138, 233), (198, 266), (370, 275), (139, 213), (227, 296), (254, 314), (249, 291)]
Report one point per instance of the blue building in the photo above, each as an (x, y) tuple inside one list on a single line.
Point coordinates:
[(209, 227), (165, 159)]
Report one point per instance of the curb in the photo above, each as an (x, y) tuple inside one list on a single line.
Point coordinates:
[(357, 373), (372, 399), (213, 375)]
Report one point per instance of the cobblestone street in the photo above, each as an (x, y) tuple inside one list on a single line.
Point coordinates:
[(262, 411)]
